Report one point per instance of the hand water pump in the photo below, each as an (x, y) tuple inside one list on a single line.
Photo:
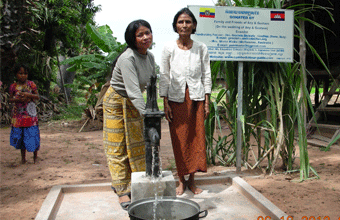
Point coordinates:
[(152, 130)]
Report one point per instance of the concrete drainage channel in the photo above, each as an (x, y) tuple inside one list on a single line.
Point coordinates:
[(223, 197)]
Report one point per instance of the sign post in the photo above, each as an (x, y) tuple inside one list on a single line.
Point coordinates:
[(245, 34), (239, 116)]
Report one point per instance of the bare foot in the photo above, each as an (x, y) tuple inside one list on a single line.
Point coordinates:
[(180, 189), (124, 202), (194, 189), (192, 186), (124, 199)]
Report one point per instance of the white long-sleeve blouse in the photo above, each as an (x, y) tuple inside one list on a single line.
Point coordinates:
[(185, 67)]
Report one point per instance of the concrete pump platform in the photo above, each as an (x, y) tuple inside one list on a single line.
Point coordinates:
[(224, 197)]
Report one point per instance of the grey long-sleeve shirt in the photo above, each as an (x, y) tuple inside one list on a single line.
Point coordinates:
[(131, 75)]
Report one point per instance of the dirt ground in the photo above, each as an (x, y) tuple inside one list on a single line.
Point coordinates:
[(68, 156)]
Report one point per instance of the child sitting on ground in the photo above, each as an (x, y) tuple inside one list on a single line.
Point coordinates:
[(25, 134)]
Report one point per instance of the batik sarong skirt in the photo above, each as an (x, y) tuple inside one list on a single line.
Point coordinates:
[(123, 140)]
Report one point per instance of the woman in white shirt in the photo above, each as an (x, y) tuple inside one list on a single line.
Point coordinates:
[(185, 85)]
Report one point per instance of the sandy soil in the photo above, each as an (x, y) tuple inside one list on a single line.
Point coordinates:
[(69, 157)]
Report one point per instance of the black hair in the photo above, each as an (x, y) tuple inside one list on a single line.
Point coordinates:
[(130, 37), (18, 66), (130, 32), (188, 12)]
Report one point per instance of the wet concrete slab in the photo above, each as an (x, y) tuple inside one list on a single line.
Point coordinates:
[(224, 197)]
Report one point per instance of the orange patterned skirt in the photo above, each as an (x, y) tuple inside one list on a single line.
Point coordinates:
[(188, 135)]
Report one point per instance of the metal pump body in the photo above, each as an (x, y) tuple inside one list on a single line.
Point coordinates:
[(152, 130)]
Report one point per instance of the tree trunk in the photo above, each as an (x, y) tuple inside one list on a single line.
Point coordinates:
[(67, 77)]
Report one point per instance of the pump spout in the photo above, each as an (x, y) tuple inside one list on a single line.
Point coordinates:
[(152, 154), (154, 137)]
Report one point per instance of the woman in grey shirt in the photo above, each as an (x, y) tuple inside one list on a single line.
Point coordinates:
[(123, 109)]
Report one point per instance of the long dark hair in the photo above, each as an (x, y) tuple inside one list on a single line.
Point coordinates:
[(130, 37), (188, 12)]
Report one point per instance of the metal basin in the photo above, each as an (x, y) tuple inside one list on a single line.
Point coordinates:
[(167, 207)]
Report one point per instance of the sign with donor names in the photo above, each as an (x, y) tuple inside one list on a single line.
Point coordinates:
[(245, 34)]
